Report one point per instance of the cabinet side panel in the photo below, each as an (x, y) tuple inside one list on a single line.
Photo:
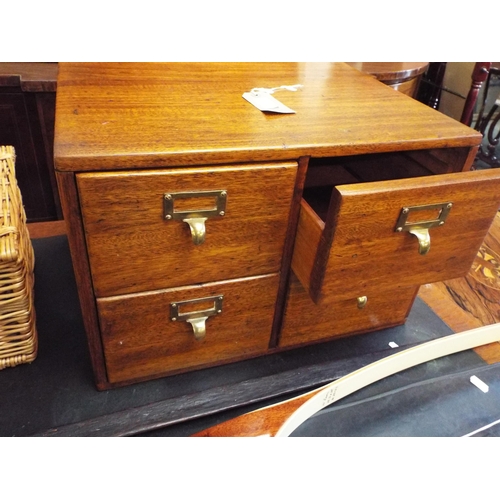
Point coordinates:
[(71, 210)]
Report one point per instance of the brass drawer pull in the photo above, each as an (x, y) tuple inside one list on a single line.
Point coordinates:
[(195, 218), (197, 227), (420, 229), (424, 240), (361, 301), (197, 319)]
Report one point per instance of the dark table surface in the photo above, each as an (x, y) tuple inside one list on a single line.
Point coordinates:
[(56, 395)]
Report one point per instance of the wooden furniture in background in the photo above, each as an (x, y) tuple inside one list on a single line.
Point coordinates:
[(473, 300), (27, 110), (430, 88), (321, 192), (402, 76), (479, 76)]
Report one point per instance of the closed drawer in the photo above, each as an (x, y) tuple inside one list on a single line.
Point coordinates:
[(354, 243), (340, 315), (141, 340), (134, 247)]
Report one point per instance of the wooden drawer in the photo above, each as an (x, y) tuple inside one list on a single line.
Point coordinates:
[(141, 341), (132, 246), (353, 245), (339, 315)]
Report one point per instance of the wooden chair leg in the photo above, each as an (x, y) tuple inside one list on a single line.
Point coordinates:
[(479, 75)]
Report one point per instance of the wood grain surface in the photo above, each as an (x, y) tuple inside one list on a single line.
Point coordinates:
[(81, 266), (367, 252), (261, 423), (337, 316), (120, 115), (140, 340), (132, 248), (131, 132)]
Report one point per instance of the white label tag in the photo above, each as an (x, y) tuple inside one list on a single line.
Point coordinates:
[(266, 102)]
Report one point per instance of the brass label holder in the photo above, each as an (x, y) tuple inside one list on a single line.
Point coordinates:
[(420, 229), (195, 218), (197, 319)]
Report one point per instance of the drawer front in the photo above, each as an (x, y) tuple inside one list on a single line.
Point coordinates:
[(134, 246), (359, 246), (306, 321), (141, 340)]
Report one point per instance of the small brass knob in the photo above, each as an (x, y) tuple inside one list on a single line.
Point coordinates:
[(362, 301)]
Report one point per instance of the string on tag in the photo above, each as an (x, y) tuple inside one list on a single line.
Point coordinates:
[(291, 88)]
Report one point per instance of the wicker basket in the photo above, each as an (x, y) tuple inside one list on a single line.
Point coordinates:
[(18, 337)]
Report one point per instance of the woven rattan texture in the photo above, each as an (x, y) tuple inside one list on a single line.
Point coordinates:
[(18, 336)]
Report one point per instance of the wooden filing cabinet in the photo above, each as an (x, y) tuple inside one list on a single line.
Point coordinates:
[(204, 231), (142, 263)]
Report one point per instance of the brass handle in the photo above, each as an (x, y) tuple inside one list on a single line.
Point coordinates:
[(195, 218), (424, 240), (197, 319), (199, 327), (197, 227), (420, 229)]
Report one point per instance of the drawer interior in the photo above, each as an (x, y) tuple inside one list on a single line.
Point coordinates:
[(326, 173)]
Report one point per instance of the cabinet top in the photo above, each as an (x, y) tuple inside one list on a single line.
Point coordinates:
[(146, 115)]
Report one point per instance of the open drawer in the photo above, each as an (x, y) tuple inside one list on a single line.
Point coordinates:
[(355, 236)]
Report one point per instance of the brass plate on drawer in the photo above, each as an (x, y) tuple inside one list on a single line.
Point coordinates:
[(420, 228), (196, 217), (218, 210), (356, 245), (132, 247), (140, 340), (404, 225), (197, 319)]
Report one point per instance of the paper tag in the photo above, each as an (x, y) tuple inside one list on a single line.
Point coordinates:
[(393, 344), (266, 102)]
